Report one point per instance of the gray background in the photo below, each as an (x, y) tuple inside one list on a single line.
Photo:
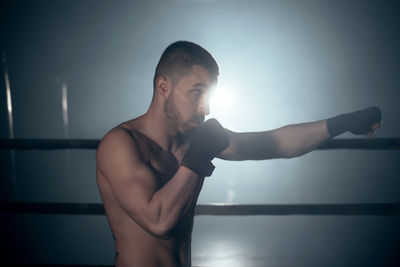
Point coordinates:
[(282, 62)]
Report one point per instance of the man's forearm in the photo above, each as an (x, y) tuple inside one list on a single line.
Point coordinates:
[(174, 199), (285, 142), (298, 139)]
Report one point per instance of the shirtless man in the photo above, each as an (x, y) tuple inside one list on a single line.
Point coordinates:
[(150, 170)]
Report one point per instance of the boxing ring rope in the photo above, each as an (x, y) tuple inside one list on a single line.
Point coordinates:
[(374, 209), (382, 209), (52, 144)]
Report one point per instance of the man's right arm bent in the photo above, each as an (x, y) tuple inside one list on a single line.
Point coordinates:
[(135, 187)]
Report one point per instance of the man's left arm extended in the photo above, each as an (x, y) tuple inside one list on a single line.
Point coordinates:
[(298, 139)]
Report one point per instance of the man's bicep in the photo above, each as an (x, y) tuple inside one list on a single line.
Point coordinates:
[(131, 180)]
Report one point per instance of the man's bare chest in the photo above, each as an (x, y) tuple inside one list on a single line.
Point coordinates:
[(163, 163)]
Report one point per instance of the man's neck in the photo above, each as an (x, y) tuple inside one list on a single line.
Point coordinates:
[(155, 126)]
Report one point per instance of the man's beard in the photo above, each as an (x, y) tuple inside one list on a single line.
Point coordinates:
[(174, 117)]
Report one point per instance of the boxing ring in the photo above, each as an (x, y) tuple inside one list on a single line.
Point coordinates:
[(351, 209)]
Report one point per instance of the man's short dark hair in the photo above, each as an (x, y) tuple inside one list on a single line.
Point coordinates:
[(178, 58)]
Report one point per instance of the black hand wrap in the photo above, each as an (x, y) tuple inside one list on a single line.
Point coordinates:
[(205, 143), (359, 122)]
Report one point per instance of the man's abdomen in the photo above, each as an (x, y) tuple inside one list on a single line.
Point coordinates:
[(157, 253)]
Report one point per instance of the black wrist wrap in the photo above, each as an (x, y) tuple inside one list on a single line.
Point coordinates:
[(337, 125), (203, 169), (358, 122)]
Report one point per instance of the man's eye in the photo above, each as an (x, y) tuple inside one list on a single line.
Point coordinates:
[(196, 92)]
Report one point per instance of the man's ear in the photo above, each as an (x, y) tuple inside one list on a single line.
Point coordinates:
[(163, 86)]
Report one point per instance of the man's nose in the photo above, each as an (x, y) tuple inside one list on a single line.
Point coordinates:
[(204, 107)]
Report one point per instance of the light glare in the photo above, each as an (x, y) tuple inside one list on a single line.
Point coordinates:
[(222, 101)]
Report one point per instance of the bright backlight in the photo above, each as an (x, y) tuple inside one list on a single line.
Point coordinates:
[(222, 102)]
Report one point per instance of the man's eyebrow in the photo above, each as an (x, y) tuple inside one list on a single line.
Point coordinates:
[(201, 85)]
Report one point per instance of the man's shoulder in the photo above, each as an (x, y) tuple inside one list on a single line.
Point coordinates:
[(123, 137), (120, 152), (122, 132), (118, 136)]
